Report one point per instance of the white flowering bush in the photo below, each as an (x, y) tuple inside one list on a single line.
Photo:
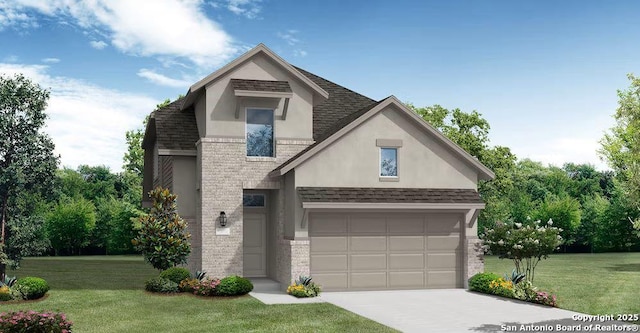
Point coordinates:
[(526, 244)]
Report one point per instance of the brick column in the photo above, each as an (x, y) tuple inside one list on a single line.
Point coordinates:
[(473, 258)]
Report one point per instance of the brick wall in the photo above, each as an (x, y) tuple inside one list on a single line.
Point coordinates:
[(473, 258), (225, 171)]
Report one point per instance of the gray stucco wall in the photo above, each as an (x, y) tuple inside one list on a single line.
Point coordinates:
[(422, 161)]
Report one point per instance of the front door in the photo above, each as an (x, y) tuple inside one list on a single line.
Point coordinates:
[(255, 245)]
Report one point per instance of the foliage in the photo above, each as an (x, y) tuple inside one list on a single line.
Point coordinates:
[(480, 282), (162, 237), (501, 287), (188, 285), (304, 287), (34, 322), (5, 293), (27, 238), (27, 162), (525, 291), (31, 287), (515, 277), (206, 287), (544, 298), (70, 224), (161, 285), (565, 213), (233, 286), (530, 243), (175, 274), (200, 275), (114, 226)]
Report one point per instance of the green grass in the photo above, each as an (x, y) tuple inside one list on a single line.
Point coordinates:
[(602, 283), (105, 294)]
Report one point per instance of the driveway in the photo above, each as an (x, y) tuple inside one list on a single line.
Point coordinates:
[(451, 310)]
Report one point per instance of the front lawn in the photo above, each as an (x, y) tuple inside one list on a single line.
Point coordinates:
[(602, 283), (105, 294)]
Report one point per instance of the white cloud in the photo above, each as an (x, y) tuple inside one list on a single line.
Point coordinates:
[(86, 122), (300, 53), (163, 80), (290, 37), (10, 16), (163, 28), (51, 60), (247, 8), (98, 44), (558, 151)]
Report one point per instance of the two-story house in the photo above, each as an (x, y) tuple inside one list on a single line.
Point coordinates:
[(282, 173)]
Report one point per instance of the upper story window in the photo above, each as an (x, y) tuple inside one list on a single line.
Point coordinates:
[(260, 132), (388, 162)]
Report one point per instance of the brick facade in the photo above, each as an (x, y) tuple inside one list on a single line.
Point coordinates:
[(473, 258)]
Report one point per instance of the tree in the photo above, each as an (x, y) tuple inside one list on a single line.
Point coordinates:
[(70, 224), (162, 237), (114, 226), (27, 162)]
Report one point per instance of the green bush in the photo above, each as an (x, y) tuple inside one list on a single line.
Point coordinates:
[(31, 287), (161, 285), (5, 293), (481, 281), (32, 321), (234, 285), (525, 291), (175, 274)]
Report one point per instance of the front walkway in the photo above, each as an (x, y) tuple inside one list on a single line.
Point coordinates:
[(450, 310)]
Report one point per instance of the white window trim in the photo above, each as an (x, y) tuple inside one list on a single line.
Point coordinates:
[(388, 178), (259, 158)]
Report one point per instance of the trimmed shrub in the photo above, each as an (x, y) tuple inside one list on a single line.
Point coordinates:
[(234, 285), (175, 274), (31, 287), (481, 282), (188, 285), (34, 322), (161, 285)]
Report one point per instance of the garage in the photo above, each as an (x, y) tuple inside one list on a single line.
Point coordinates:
[(370, 250)]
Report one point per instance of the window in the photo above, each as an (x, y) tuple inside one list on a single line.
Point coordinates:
[(388, 162), (260, 132), (253, 200)]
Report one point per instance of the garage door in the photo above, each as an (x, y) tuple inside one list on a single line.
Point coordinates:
[(370, 251)]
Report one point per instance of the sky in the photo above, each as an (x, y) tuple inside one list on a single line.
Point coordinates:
[(544, 74)]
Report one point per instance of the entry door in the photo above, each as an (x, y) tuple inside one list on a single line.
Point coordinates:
[(255, 245)]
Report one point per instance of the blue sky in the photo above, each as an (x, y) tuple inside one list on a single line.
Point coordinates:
[(543, 73)]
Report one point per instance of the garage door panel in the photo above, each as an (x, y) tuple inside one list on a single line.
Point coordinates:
[(367, 224), (443, 223), (443, 243), (332, 281), (329, 244), (368, 262), (406, 279), (373, 280), (406, 261), (368, 243), (446, 279), (411, 225), (406, 243), (329, 224), (442, 261), (329, 262)]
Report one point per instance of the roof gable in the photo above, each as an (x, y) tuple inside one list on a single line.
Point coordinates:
[(260, 49), (349, 123)]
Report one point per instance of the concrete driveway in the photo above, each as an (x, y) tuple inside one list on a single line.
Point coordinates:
[(450, 310)]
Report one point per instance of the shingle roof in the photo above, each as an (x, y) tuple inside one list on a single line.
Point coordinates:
[(260, 85), (176, 129), (388, 195)]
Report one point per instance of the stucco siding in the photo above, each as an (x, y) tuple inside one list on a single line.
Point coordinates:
[(184, 184), (221, 103), (354, 159)]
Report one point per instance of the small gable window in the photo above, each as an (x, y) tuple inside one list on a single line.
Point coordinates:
[(388, 162), (260, 132)]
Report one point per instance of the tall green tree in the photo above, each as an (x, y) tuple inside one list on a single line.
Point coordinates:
[(27, 162), (621, 144), (70, 225)]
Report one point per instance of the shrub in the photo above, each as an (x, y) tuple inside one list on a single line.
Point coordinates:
[(5, 293), (525, 291), (206, 287), (304, 287), (481, 281), (175, 274), (34, 322), (234, 285), (188, 285), (161, 285), (545, 298), (31, 287)]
